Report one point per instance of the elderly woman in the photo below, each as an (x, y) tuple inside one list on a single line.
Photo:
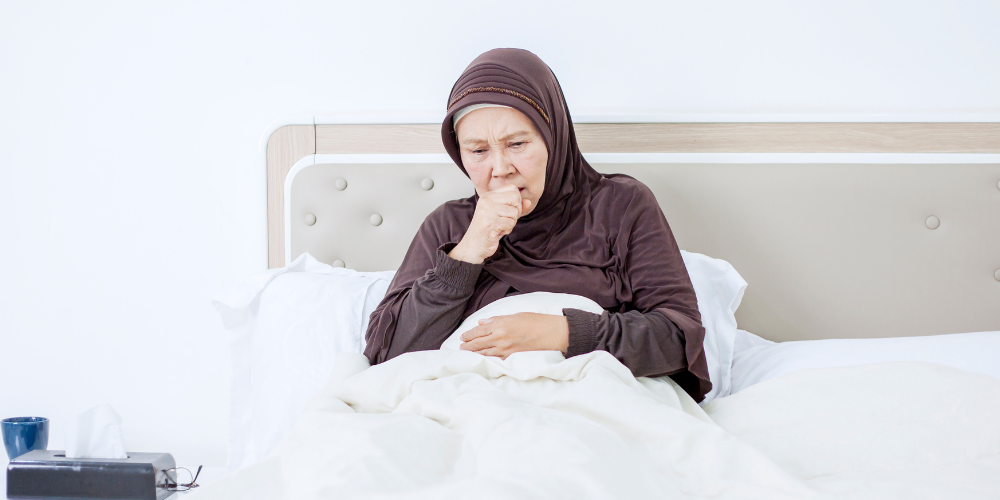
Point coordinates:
[(541, 220)]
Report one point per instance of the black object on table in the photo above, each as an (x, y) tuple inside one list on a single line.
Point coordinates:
[(48, 474)]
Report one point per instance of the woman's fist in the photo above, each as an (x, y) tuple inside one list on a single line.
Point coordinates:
[(496, 215)]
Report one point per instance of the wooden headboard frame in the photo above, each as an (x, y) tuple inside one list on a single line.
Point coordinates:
[(291, 143), (831, 248)]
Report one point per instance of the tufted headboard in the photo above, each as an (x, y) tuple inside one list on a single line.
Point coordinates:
[(842, 230)]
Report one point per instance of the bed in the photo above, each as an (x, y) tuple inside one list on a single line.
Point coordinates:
[(845, 233)]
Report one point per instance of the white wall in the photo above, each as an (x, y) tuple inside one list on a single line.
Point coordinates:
[(132, 190)]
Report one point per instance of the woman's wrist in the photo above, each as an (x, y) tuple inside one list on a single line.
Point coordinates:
[(563, 335), (463, 254)]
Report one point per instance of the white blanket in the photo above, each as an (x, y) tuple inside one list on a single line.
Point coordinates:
[(442, 424)]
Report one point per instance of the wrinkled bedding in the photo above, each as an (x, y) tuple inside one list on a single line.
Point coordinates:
[(441, 424)]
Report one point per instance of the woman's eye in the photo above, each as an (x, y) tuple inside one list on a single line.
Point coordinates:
[(478, 151), (516, 144)]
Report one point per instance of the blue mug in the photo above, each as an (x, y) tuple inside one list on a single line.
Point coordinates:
[(23, 434)]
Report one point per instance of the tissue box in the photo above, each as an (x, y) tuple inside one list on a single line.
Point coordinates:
[(48, 474)]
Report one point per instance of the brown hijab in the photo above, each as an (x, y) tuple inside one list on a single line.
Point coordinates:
[(577, 240)]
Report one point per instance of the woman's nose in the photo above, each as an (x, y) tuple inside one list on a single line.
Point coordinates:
[(502, 166)]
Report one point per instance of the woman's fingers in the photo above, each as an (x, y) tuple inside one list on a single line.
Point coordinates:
[(511, 199), (503, 210), (508, 212), (498, 228), (505, 225), (492, 352), (485, 337), (477, 331), (509, 196), (477, 344)]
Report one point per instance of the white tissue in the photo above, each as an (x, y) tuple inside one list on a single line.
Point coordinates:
[(96, 433)]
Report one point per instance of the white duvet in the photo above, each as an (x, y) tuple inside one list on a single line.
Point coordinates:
[(441, 424)]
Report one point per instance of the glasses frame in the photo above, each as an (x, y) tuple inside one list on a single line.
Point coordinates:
[(172, 484)]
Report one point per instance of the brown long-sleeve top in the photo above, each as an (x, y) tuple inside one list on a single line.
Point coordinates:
[(437, 304), (639, 332)]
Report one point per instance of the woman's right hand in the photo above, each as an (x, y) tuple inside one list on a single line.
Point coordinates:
[(496, 215)]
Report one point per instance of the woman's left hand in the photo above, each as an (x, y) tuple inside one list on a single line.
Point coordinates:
[(502, 336)]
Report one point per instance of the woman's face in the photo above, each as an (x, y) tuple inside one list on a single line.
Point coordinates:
[(501, 147)]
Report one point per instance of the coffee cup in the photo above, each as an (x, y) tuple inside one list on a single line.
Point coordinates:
[(23, 434)]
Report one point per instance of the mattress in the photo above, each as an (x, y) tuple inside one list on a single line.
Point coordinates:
[(756, 360)]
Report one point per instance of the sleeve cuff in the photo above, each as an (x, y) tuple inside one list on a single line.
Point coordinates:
[(459, 274), (582, 331)]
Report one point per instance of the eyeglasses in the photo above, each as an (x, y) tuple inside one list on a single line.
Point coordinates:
[(171, 484)]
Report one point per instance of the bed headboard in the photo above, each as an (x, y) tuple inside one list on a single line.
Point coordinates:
[(842, 230)]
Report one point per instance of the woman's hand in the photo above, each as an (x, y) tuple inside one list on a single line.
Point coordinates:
[(496, 214), (502, 336)]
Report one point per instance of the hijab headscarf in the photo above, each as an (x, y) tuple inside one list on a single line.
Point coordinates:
[(545, 242), (565, 244)]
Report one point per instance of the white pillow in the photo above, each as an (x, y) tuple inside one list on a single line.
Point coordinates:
[(719, 289), (758, 360), (286, 327)]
